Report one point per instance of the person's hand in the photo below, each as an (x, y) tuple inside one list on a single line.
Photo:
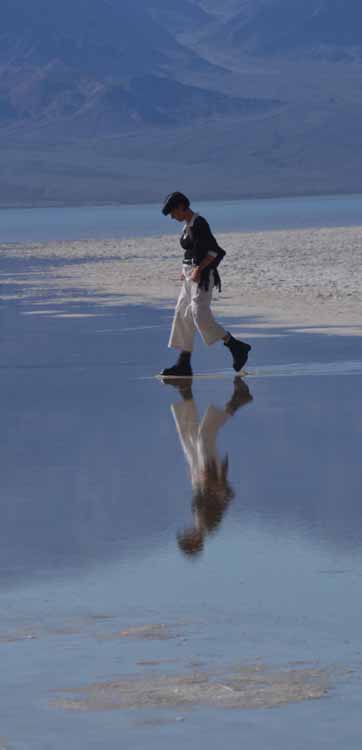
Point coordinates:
[(182, 276), (195, 276)]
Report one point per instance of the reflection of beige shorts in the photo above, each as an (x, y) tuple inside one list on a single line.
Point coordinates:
[(193, 313)]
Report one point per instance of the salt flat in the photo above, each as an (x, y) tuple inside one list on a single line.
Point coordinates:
[(308, 277)]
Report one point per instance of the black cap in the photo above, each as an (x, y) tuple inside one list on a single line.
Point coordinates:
[(173, 200)]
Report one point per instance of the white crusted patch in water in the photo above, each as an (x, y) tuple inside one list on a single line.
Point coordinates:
[(244, 687), (151, 632)]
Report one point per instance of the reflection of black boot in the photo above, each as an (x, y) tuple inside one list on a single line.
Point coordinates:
[(240, 397), (182, 368), (183, 385), (239, 351)]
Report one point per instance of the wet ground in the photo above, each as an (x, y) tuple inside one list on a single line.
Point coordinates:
[(147, 603)]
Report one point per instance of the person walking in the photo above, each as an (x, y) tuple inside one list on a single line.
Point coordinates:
[(202, 255)]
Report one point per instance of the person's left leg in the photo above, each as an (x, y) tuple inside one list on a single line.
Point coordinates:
[(239, 351), (210, 330)]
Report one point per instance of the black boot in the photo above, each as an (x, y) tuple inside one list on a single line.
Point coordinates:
[(182, 368), (239, 351)]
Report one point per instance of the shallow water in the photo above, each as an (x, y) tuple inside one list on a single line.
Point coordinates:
[(110, 635), (75, 223)]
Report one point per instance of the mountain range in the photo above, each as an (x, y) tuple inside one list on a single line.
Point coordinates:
[(102, 66), (247, 97), (294, 29)]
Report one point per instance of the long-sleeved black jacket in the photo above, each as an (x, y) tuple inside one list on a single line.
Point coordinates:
[(198, 241)]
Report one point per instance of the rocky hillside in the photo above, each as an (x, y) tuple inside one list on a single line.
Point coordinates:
[(100, 66), (328, 30), (244, 97)]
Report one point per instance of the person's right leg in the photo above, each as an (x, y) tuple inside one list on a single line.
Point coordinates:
[(182, 334)]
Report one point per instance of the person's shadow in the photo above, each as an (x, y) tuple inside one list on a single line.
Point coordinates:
[(212, 491)]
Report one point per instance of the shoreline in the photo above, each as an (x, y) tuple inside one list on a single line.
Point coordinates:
[(202, 199), (299, 277)]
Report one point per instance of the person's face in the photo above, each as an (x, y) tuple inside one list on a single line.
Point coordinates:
[(178, 213)]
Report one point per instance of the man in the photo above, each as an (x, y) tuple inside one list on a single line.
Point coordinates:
[(202, 255)]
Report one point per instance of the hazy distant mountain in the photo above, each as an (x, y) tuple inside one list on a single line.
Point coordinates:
[(99, 37), (227, 8), (242, 97), (179, 17), (85, 61), (55, 97), (297, 29)]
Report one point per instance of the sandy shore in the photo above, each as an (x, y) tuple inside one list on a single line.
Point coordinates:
[(309, 277)]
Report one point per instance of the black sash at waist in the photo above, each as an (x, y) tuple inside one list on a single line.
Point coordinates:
[(205, 275)]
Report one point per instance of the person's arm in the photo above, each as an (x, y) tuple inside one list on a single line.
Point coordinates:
[(196, 274)]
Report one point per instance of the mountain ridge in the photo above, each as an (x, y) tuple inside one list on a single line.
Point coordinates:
[(254, 97), (295, 29)]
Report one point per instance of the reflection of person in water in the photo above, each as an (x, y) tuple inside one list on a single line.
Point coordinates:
[(212, 491)]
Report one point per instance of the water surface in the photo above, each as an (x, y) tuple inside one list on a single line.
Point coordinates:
[(96, 590), (75, 223)]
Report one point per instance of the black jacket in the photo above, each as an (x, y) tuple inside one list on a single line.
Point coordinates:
[(198, 241)]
